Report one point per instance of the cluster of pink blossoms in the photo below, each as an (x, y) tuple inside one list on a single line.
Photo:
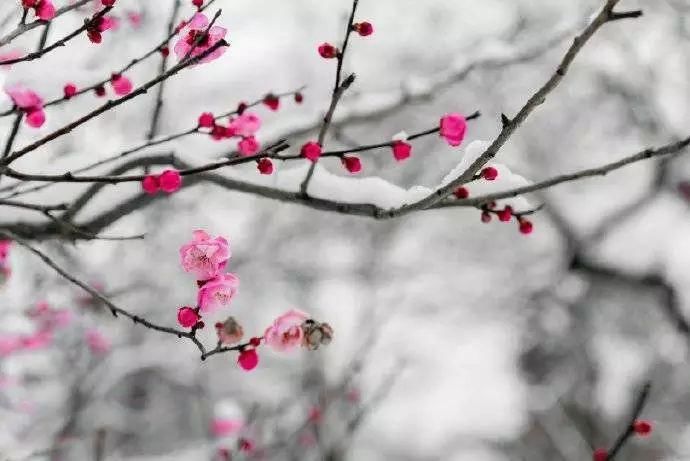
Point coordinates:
[(29, 102), (47, 320), (244, 127), (206, 258), (44, 9), (168, 181), (452, 128)]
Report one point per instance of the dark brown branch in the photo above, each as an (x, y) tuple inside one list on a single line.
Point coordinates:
[(358, 209), (615, 15)]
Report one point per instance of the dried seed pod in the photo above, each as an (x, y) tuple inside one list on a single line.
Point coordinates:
[(316, 334), (230, 331)]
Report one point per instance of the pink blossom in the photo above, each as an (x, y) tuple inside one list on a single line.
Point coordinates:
[(222, 427), (452, 128), (45, 10), (98, 344), (401, 150), (205, 257), (150, 184), (23, 97), (286, 332), (5, 249), (311, 150), (62, 317), (248, 146), (35, 118), (134, 18), (248, 359), (170, 181), (189, 43), (9, 344), (107, 23), (265, 166), (37, 340), (121, 84), (29, 102), (187, 317), (245, 125), (217, 292)]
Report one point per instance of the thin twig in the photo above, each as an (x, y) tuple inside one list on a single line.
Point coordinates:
[(158, 105), (31, 206), (639, 405), (339, 89), (270, 151)]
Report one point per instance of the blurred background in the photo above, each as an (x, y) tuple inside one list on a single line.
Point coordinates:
[(454, 339)]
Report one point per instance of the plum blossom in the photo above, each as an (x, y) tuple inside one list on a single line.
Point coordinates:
[(5, 249), (452, 128), (286, 332), (204, 256), (9, 344), (44, 9), (265, 166), (37, 340), (98, 25), (98, 344), (248, 359), (248, 146), (245, 125), (311, 150), (217, 292), (195, 41), (168, 181), (222, 427), (134, 18), (122, 85), (29, 102), (187, 317)]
